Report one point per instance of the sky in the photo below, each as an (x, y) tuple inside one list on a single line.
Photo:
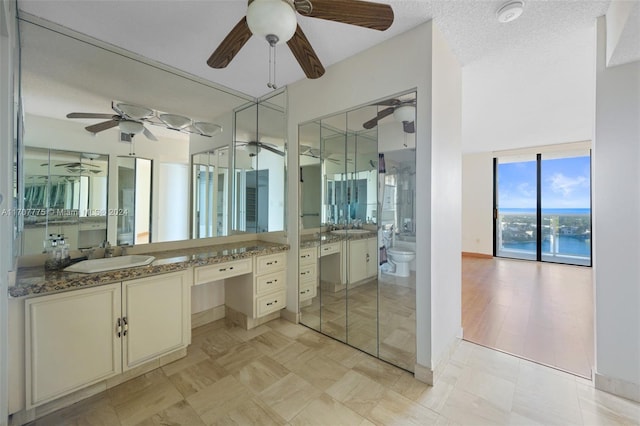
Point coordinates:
[(566, 183)]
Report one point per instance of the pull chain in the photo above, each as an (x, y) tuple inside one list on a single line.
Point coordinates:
[(272, 40)]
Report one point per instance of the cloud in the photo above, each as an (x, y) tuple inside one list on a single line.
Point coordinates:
[(525, 189), (565, 185)]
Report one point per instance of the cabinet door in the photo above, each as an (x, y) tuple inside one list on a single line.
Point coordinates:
[(357, 260), (71, 341), (156, 316)]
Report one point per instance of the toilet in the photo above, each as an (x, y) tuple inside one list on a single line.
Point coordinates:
[(401, 258)]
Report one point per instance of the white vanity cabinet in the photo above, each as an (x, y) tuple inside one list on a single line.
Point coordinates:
[(156, 317), (362, 259), (308, 274), (251, 297), (71, 341), (81, 337)]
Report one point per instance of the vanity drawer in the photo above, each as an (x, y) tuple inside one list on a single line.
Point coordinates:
[(308, 273), (272, 262), (308, 256), (270, 282), (307, 291), (220, 271), (331, 248), (270, 303)]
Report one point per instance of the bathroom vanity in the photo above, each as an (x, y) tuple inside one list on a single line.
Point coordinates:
[(76, 334)]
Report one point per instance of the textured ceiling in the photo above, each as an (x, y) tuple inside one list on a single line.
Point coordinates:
[(184, 33), (528, 82)]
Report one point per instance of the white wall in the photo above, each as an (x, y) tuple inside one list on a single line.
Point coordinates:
[(446, 200), (477, 203), (616, 224), (8, 46), (401, 63)]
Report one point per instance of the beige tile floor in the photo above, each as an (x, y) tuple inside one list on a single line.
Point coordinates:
[(286, 374)]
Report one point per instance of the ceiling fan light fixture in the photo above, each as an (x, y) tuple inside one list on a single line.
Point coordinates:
[(175, 121), (207, 129), (510, 11), (268, 18), (405, 113), (130, 127), (134, 111)]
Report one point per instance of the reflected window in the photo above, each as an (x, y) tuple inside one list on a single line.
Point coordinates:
[(134, 201)]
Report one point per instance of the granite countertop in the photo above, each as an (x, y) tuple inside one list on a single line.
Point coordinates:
[(314, 240), (35, 281)]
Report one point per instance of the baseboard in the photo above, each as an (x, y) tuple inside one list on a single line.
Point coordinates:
[(423, 374), (290, 316), (205, 317), (476, 255), (617, 387), (430, 376)]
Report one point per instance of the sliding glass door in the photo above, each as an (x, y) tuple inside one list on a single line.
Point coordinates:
[(543, 207), (516, 206)]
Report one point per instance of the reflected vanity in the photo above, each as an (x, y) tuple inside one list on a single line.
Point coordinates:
[(65, 195), (354, 202)]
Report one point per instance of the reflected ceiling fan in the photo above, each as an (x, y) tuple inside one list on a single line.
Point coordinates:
[(128, 118), (254, 148), (315, 153), (403, 111), (275, 20)]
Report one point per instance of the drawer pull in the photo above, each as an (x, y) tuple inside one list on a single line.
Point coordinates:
[(224, 269), (303, 273), (271, 263), (272, 281), (271, 303)]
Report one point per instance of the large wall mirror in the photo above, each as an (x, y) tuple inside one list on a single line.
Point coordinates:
[(357, 221), (181, 116)]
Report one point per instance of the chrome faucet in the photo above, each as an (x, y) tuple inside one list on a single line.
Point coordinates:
[(108, 250)]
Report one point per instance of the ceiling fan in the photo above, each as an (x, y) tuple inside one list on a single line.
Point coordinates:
[(254, 148), (128, 118), (275, 20), (315, 153), (403, 111)]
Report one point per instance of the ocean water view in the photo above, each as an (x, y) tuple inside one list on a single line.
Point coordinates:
[(565, 231), (546, 212)]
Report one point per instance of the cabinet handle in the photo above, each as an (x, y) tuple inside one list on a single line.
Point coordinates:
[(368, 257), (271, 303), (125, 326), (272, 281), (271, 263), (303, 273), (118, 327)]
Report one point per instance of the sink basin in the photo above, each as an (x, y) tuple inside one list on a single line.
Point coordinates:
[(110, 263), (351, 231)]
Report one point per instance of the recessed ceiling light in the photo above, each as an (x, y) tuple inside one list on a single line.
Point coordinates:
[(510, 11)]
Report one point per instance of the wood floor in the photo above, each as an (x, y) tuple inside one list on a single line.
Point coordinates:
[(539, 311), (285, 374)]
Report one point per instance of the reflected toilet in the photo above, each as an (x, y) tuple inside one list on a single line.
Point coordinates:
[(400, 257)]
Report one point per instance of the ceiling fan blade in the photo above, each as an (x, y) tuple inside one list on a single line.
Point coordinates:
[(305, 55), (409, 126), (272, 149), (89, 115), (389, 102), (366, 14), (95, 128), (374, 121), (148, 134), (231, 45)]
